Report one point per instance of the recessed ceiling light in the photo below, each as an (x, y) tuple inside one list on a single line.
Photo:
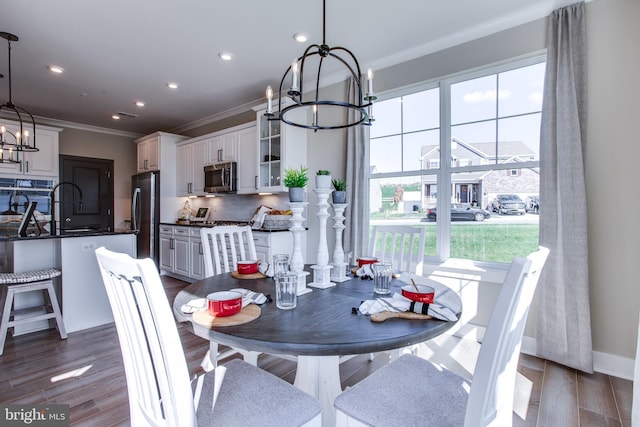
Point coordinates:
[(140, 103), (55, 69), (300, 37), (225, 56), (115, 117), (172, 85)]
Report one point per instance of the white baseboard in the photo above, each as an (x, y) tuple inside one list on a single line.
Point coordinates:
[(605, 363)]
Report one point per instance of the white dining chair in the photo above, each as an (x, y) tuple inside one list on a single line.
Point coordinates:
[(160, 391), (414, 391), (222, 247), (402, 246)]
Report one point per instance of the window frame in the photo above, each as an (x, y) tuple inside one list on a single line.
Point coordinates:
[(446, 169)]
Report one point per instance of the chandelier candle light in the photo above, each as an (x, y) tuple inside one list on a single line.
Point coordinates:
[(12, 143), (321, 116)]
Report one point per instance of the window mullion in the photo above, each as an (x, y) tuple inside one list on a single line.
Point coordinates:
[(443, 233)]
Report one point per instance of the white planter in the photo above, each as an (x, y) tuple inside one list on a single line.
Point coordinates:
[(323, 182)]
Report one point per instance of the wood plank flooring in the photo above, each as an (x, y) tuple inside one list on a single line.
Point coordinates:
[(85, 371)]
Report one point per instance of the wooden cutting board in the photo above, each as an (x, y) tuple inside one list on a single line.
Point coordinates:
[(246, 315), (257, 275)]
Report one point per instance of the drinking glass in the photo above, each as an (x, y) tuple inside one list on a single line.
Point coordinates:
[(286, 290), (382, 278), (280, 264)]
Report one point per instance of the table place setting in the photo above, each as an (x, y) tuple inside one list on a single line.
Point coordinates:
[(445, 306), (226, 308)]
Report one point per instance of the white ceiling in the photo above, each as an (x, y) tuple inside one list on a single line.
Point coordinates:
[(115, 52)]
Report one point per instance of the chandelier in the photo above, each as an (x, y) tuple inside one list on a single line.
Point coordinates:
[(325, 114), (23, 137)]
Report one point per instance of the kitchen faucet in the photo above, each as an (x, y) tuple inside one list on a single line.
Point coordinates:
[(52, 230)]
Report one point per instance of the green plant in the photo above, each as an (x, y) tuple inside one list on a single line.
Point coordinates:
[(323, 172), (339, 184), (296, 177)]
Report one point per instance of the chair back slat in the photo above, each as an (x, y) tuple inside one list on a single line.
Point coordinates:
[(402, 246), (224, 246), (155, 365), (491, 396)]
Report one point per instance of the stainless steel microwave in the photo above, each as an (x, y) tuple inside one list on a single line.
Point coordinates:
[(220, 178)]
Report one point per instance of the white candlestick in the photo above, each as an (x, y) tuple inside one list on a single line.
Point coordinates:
[(338, 274), (321, 269)]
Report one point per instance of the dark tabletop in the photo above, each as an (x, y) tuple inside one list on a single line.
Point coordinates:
[(321, 324)]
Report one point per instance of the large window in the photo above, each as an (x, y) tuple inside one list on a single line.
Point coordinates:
[(474, 138)]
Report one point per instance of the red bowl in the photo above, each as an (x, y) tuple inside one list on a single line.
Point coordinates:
[(425, 294), (366, 260), (224, 303), (247, 267)]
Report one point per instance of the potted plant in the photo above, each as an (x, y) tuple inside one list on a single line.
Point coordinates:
[(295, 180), (323, 179), (340, 195)]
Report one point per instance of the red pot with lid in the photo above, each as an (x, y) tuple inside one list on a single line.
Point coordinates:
[(247, 267), (366, 260), (224, 303), (423, 294)]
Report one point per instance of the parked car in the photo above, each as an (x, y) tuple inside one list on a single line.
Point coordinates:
[(532, 204), (508, 204), (460, 212)]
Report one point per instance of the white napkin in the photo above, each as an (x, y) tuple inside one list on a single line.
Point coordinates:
[(366, 271), (265, 268), (248, 297), (194, 305), (445, 306)]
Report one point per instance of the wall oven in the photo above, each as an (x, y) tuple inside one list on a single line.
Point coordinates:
[(220, 178)]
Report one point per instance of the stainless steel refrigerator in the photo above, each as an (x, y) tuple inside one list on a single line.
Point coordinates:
[(145, 213)]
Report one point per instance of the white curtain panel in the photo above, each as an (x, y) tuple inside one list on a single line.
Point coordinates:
[(563, 329), (357, 195)]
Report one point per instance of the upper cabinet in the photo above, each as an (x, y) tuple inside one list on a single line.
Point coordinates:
[(42, 163), (148, 155), (156, 149), (247, 160), (223, 148), (280, 146), (191, 158)]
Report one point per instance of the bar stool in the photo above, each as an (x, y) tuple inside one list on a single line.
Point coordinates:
[(29, 281)]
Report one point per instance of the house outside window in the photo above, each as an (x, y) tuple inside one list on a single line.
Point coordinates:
[(484, 144)]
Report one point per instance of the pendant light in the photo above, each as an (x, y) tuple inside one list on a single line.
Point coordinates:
[(23, 139), (319, 111)]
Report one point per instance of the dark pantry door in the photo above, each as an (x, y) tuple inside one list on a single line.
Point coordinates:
[(94, 178)]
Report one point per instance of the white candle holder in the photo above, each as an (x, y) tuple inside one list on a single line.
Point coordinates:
[(296, 263), (321, 277), (339, 273)]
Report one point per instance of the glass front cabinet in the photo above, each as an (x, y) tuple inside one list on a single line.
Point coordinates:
[(280, 146)]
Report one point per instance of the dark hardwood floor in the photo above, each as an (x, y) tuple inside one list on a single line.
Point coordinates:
[(85, 371)]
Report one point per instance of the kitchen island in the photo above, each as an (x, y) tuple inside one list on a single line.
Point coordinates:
[(80, 291)]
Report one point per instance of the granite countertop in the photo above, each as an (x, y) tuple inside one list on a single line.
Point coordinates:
[(8, 236), (217, 223)]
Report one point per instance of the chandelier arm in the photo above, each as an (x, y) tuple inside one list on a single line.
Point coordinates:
[(303, 58)]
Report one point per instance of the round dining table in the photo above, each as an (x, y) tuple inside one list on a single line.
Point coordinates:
[(324, 326)]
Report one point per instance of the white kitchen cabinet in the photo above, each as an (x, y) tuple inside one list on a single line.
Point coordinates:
[(191, 158), (269, 243), (196, 266), (280, 146), (181, 253), (223, 148), (148, 154), (247, 161), (42, 163)]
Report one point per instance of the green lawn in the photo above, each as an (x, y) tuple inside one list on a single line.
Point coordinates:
[(487, 242)]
